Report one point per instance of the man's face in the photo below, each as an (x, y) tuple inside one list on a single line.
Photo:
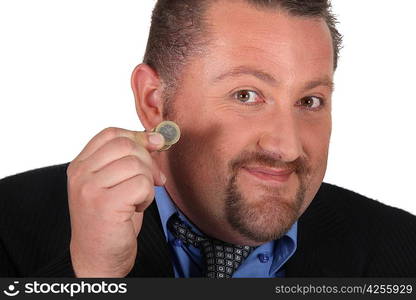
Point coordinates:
[(255, 116)]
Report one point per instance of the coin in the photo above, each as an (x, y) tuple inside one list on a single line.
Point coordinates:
[(170, 131)]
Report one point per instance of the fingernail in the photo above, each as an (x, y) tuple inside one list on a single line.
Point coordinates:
[(163, 178), (156, 138)]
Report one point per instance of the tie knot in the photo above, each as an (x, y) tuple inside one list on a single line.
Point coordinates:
[(221, 258), (184, 232)]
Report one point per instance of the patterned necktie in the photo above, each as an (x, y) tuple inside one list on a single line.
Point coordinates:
[(222, 259)]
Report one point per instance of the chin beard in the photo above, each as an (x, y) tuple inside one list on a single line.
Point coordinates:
[(264, 219), (272, 213)]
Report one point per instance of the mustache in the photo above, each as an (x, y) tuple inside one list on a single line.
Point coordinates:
[(300, 165)]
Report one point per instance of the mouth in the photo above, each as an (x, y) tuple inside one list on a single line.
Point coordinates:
[(269, 174)]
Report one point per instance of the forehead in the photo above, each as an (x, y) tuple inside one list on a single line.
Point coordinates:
[(268, 38)]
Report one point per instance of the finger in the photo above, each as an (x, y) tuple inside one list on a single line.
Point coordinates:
[(134, 194), (114, 150), (123, 169), (151, 141), (158, 176), (111, 133), (100, 139)]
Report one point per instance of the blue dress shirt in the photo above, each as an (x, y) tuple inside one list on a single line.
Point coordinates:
[(264, 261)]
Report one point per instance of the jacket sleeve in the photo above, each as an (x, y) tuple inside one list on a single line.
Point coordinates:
[(59, 267), (35, 225), (7, 268)]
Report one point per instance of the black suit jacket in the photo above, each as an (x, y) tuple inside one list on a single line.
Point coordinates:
[(341, 234)]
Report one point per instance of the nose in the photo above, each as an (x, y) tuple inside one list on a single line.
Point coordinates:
[(281, 138)]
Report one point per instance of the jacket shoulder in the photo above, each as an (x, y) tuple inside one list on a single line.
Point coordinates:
[(375, 239), (361, 210), (34, 189)]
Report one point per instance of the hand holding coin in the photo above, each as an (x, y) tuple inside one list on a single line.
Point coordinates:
[(110, 184)]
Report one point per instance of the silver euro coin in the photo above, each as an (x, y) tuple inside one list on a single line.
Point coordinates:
[(170, 131)]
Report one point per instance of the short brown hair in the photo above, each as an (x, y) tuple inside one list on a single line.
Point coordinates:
[(177, 30)]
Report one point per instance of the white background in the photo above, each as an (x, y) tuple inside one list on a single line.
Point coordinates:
[(65, 74)]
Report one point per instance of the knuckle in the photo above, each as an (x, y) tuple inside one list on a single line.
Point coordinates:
[(70, 170), (74, 171), (125, 144), (88, 191), (111, 132), (144, 199), (146, 189), (72, 182)]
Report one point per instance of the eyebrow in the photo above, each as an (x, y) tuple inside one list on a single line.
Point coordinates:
[(325, 81), (268, 78), (244, 70)]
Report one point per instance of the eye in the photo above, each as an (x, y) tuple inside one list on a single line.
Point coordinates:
[(246, 96), (311, 102)]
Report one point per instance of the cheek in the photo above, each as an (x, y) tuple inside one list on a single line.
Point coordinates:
[(315, 136), (315, 141), (206, 148), (209, 132), (199, 153), (318, 169)]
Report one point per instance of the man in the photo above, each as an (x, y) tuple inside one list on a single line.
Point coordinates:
[(249, 83)]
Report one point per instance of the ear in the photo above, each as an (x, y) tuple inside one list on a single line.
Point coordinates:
[(147, 89)]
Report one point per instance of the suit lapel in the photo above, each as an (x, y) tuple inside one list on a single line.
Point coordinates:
[(153, 256)]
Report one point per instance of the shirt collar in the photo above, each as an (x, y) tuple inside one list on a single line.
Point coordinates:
[(167, 208)]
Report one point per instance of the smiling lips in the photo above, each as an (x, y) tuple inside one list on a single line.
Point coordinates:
[(272, 174)]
